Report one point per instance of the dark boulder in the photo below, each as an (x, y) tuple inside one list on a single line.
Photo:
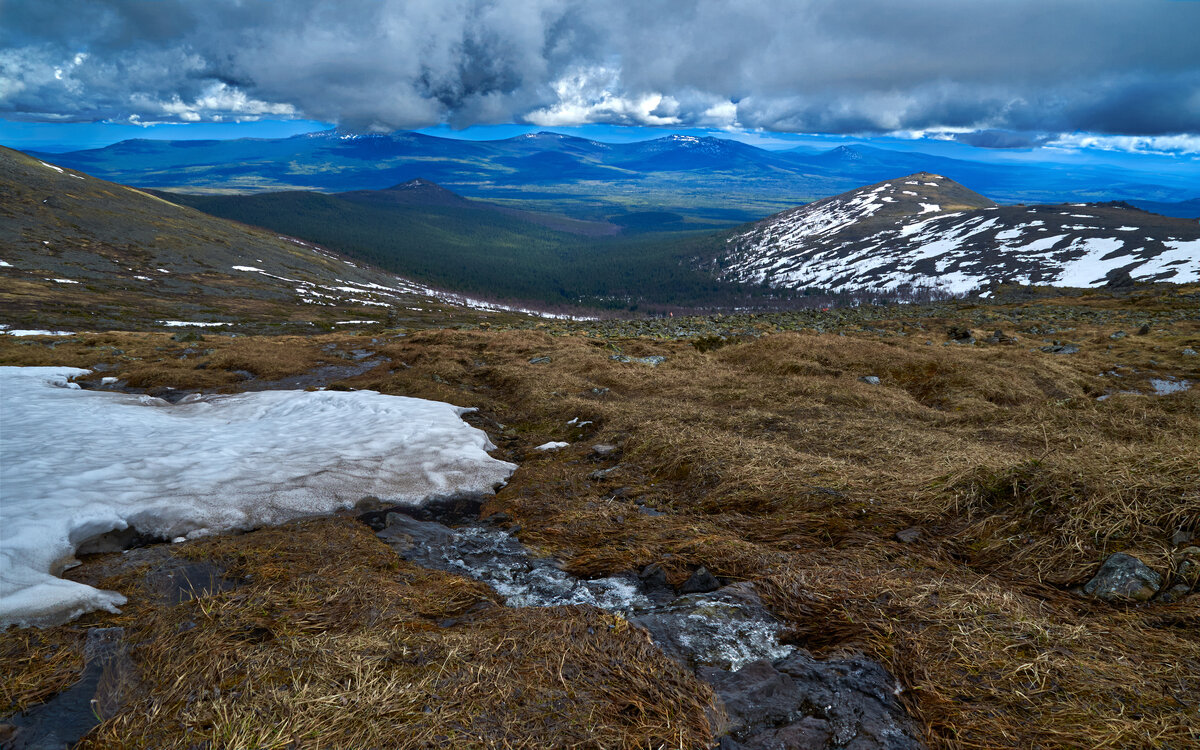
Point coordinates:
[(801, 702)]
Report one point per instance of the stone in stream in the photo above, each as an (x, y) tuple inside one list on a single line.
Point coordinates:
[(726, 628), (800, 702), (1123, 577), (700, 582)]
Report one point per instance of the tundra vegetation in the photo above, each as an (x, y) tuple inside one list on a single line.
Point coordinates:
[(772, 455)]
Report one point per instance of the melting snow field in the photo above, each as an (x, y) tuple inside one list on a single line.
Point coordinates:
[(76, 463)]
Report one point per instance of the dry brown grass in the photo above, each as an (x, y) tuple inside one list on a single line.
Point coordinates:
[(772, 462), (333, 641)]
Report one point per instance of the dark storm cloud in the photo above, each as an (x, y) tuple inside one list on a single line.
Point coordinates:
[(789, 65), (1001, 139)]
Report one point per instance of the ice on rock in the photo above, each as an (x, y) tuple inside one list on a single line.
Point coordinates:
[(78, 463)]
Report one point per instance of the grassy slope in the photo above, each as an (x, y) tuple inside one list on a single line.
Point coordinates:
[(772, 463), (136, 258)]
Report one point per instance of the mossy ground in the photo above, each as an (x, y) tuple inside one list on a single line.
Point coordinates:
[(770, 461)]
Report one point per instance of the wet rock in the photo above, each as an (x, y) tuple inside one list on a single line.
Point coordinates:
[(839, 703), (540, 361), (727, 628), (869, 379), (107, 680), (700, 582), (654, 576), (411, 538), (1123, 577), (908, 536)]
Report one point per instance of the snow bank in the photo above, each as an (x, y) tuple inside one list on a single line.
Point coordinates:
[(77, 463)]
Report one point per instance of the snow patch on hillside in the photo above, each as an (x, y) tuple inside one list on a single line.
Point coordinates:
[(211, 464)]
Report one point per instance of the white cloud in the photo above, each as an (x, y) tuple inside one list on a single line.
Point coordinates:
[(1183, 143)]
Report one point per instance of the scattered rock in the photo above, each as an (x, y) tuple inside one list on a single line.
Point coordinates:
[(601, 474), (908, 536), (653, 360), (700, 582), (187, 336), (1174, 594), (1123, 577), (959, 333), (1189, 352), (1118, 335), (1180, 538), (599, 392), (604, 449), (540, 361), (1187, 565), (1060, 349), (840, 703), (870, 379), (1145, 329), (647, 511)]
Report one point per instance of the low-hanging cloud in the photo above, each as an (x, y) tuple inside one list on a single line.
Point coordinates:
[(1101, 66)]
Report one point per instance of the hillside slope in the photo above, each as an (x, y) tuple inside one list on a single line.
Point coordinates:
[(82, 252), (924, 230)]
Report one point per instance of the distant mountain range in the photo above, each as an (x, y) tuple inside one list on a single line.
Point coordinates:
[(81, 251), (706, 182), (927, 231)]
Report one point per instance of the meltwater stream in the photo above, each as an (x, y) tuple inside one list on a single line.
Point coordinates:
[(726, 628), (772, 696)]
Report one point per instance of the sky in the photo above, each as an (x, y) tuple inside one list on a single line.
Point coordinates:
[(1108, 75)]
